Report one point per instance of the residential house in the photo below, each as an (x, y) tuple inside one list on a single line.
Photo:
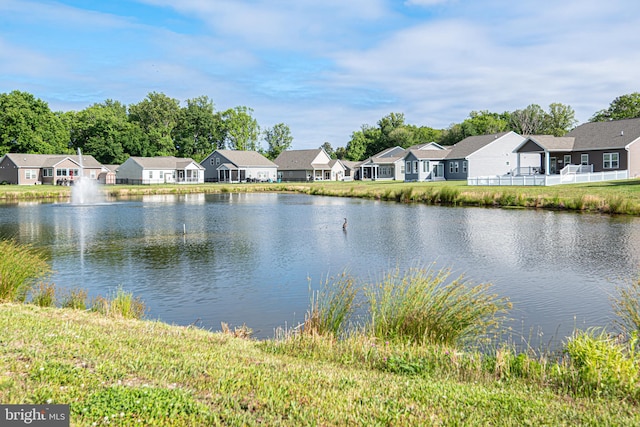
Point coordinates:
[(351, 169), (589, 148), (485, 155), (425, 162), (238, 166), (338, 170), (386, 165), (32, 169), (159, 170), (305, 165)]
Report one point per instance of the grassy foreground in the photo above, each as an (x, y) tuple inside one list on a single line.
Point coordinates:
[(617, 197), (133, 372)]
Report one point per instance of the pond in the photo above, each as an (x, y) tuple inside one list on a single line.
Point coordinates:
[(251, 258)]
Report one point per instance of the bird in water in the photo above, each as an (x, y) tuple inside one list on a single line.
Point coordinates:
[(344, 226)]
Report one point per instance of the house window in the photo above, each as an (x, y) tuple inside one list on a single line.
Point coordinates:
[(450, 167), (150, 174), (212, 161), (425, 166), (217, 161), (92, 174), (610, 160), (408, 165), (61, 172), (584, 159), (464, 166), (415, 166), (48, 172), (30, 174), (456, 167), (161, 174), (567, 159)]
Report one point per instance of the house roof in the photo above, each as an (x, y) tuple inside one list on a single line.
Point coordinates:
[(552, 143), (471, 144), (605, 135), (426, 154), (166, 162), (51, 160), (298, 159), (247, 158)]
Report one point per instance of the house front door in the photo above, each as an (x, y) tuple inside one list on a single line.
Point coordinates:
[(553, 165)]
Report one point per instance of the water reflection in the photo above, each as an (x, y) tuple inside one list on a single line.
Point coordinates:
[(248, 258)]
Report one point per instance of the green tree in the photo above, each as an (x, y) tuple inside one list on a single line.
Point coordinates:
[(357, 146), (326, 146), (157, 115), (623, 107), (27, 125), (197, 132), (560, 119), (531, 120), (278, 139), (240, 131), (100, 130)]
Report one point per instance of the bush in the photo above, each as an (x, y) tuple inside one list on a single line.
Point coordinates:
[(20, 266)]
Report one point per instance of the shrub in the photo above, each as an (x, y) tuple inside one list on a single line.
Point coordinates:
[(20, 265), (421, 308)]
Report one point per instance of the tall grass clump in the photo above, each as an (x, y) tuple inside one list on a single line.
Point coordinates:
[(75, 299), (420, 306), (626, 305), (599, 364), (122, 304), (448, 195), (44, 295), (331, 306), (20, 267)]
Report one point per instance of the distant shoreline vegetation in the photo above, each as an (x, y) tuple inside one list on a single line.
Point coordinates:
[(613, 197)]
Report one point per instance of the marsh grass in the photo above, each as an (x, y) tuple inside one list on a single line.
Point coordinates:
[(20, 267), (75, 299), (44, 295), (626, 306), (598, 363), (121, 304), (424, 306), (331, 307)]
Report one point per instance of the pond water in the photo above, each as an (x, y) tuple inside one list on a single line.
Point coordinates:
[(251, 258)]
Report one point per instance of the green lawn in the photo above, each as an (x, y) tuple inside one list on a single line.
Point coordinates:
[(131, 372)]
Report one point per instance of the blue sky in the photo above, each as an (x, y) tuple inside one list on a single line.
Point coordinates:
[(325, 67)]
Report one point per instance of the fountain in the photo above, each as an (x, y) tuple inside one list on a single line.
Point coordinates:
[(85, 190)]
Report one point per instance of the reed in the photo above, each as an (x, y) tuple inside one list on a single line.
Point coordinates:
[(425, 306), (44, 295), (20, 267), (626, 305), (122, 304), (331, 306)]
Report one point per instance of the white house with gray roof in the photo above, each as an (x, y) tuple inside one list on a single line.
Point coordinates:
[(160, 170), (238, 166)]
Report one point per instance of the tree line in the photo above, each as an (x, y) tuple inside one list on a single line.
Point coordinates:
[(160, 126), (157, 126)]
